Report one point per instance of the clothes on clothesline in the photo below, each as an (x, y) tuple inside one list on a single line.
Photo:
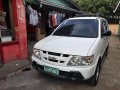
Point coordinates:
[(55, 19), (33, 16)]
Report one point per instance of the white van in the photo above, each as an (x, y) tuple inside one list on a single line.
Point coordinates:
[(74, 50)]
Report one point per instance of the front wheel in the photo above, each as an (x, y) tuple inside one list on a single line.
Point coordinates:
[(94, 79)]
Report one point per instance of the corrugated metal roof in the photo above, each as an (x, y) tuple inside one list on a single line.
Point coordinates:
[(73, 7), (74, 4), (60, 6)]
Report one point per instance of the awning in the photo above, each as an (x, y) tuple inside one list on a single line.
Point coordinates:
[(60, 5), (60, 2)]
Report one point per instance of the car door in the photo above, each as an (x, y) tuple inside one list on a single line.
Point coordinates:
[(104, 39)]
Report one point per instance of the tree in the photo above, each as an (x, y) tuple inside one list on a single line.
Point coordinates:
[(104, 7)]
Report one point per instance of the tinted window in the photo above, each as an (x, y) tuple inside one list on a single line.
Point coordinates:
[(78, 28)]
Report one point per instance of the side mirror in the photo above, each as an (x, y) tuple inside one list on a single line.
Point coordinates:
[(107, 33)]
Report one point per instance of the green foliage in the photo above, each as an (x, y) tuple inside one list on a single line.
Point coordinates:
[(104, 7)]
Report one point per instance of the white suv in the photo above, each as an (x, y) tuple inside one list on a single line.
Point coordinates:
[(76, 49)]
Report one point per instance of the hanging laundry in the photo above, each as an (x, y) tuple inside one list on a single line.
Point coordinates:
[(33, 16), (55, 19), (58, 19), (50, 20)]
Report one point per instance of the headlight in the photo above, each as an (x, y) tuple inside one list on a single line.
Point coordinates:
[(36, 53), (81, 60)]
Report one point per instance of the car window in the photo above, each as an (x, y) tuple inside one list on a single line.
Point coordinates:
[(104, 26), (78, 28)]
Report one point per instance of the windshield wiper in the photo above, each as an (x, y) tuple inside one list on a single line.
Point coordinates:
[(82, 36)]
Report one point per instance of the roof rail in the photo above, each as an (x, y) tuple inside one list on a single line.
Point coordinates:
[(89, 15)]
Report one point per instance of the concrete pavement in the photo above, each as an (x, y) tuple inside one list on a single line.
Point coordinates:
[(33, 80), (12, 67)]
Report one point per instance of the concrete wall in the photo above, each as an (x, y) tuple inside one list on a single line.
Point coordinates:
[(114, 28), (17, 49)]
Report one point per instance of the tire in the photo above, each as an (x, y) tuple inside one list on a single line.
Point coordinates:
[(94, 79), (107, 50)]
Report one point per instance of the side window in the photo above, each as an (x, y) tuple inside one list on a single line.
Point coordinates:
[(104, 26)]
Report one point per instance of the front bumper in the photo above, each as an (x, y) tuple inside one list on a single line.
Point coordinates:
[(66, 72), (62, 74)]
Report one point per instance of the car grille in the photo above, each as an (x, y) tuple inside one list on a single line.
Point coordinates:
[(55, 56)]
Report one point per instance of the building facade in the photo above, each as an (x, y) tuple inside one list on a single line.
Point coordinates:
[(14, 28), (13, 46)]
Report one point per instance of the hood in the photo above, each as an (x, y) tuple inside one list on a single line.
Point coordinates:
[(66, 45)]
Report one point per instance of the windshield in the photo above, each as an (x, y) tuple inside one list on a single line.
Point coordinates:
[(78, 28)]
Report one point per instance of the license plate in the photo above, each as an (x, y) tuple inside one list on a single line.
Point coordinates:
[(51, 70)]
